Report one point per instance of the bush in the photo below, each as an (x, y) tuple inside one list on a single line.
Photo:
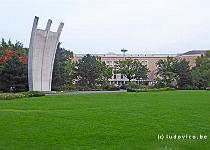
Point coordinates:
[(9, 96), (107, 87), (34, 94), (66, 88), (189, 87), (133, 86), (111, 87), (150, 90)]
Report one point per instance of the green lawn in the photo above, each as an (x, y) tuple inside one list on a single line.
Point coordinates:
[(106, 121)]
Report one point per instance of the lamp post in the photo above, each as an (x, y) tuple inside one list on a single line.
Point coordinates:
[(124, 51)]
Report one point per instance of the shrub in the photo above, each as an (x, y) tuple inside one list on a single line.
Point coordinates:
[(111, 87), (132, 85), (9, 96), (66, 88), (34, 94), (107, 87), (189, 87), (150, 90)]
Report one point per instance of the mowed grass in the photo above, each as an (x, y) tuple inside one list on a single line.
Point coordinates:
[(115, 121)]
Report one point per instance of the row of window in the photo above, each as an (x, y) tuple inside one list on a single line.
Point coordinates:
[(144, 62), (115, 76)]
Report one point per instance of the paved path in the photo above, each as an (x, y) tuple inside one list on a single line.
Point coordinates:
[(85, 92)]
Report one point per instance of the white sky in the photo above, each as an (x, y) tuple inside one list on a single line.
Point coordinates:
[(102, 26)]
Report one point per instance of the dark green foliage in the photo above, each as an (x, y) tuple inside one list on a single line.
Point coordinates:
[(132, 69), (126, 67), (87, 71), (105, 72), (173, 72), (133, 86), (166, 72), (13, 74), (34, 94), (17, 47), (61, 70), (111, 87), (90, 71), (183, 74), (150, 90), (201, 72), (141, 71)]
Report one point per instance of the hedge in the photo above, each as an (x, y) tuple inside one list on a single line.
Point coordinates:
[(9, 96), (150, 90)]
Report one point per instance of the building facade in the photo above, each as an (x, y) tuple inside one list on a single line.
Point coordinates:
[(149, 60)]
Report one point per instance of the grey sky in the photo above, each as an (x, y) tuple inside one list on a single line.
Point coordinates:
[(102, 26)]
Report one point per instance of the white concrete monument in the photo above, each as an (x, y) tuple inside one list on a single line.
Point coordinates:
[(42, 49)]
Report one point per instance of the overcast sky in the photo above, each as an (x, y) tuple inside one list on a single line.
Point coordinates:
[(102, 26)]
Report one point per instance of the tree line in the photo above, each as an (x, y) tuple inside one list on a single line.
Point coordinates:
[(92, 72), (176, 72)]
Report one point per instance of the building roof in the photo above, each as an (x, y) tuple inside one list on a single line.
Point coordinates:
[(189, 53), (195, 52)]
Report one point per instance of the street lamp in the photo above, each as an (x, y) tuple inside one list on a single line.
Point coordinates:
[(124, 51)]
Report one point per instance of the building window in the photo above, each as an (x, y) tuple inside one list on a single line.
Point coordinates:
[(115, 76), (121, 76), (144, 62)]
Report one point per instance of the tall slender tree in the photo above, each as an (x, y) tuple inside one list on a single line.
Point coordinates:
[(61, 75)]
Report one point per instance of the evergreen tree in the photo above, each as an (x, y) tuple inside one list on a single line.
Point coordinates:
[(87, 71), (183, 73), (13, 74), (90, 71), (13, 66), (61, 75)]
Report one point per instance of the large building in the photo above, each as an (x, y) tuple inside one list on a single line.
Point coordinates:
[(148, 59)]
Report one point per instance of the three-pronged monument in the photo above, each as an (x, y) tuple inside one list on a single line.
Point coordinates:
[(42, 49)]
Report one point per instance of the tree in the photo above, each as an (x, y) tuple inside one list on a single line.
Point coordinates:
[(141, 71), (9, 46), (61, 71), (183, 74), (172, 72), (201, 72), (90, 71), (13, 66), (70, 70), (126, 68), (165, 72), (13, 74), (131, 69), (105, 71)]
